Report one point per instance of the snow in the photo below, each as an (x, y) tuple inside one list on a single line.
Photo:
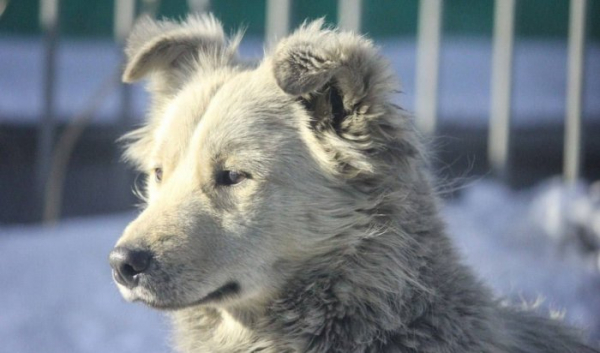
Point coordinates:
[(58, 296), (539, 79), (512, 239)]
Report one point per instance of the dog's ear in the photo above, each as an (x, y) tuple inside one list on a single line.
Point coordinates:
[(313, 56), (346, 87), (168, 51)]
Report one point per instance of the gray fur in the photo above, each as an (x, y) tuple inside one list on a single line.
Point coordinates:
[(334, 239)]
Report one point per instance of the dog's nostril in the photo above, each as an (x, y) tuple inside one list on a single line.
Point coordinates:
[(137, 261), (128, 270), (127, 264)]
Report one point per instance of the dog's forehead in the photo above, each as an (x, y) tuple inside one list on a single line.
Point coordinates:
[(184, 112), (248, 97), (231, 113), (248, 107)]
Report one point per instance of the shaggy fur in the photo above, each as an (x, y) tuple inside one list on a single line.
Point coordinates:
[(330, 241)]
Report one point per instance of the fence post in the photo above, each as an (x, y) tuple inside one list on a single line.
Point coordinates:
[(49, 22), (349, 15), (198, 6), (428, 64), (278, 20), (124, 16), (575, 86), (502, 75)]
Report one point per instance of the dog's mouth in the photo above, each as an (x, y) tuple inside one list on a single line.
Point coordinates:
[(227, 291)]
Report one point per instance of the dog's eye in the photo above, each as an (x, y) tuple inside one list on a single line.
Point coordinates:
[(158, 174), (231, 177)]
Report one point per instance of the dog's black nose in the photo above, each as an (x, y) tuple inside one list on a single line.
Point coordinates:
[(127, 264)]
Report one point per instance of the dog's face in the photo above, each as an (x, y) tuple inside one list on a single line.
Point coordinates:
[(250, 171)]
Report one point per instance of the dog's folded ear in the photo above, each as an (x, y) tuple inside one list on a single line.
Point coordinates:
[(304, 67), (346, 86), (171, 49), (314, 56)]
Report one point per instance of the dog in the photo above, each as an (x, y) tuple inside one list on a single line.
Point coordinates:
[(290, 208)]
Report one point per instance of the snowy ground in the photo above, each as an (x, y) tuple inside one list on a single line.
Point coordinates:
[(539, 86), (58, 296)]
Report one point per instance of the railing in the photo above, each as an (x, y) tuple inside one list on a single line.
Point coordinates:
[(429, 41), (429, 31), (428, 62), (502, 77), (572, 145)]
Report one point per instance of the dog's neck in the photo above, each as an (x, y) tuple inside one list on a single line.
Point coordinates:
[(348, 305)]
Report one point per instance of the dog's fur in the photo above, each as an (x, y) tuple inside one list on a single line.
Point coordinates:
[(332, 242)]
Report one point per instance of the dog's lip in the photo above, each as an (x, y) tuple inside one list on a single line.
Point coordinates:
[(227, 290)]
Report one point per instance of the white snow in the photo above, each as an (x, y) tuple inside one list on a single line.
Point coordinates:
[(539, 79), (58, 295), (507, 238)]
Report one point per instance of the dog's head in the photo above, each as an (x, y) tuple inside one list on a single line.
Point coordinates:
[(252, 170)]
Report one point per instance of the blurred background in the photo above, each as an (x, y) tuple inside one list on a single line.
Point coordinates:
[(506, 92)]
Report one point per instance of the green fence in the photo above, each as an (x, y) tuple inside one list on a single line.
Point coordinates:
[(93, 18)]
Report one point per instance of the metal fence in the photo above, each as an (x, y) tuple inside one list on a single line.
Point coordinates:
[(429, 41)]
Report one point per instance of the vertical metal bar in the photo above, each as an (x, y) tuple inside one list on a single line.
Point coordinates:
[(48, 14), (278, 19), (198, 6), (349, 15), (3, 4), (124, 15), (502, 72), (428, 63), (150, 7), (49, 20), (575, 84)]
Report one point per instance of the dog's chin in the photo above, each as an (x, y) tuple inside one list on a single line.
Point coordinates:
[(127, 293), (223, 294)]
